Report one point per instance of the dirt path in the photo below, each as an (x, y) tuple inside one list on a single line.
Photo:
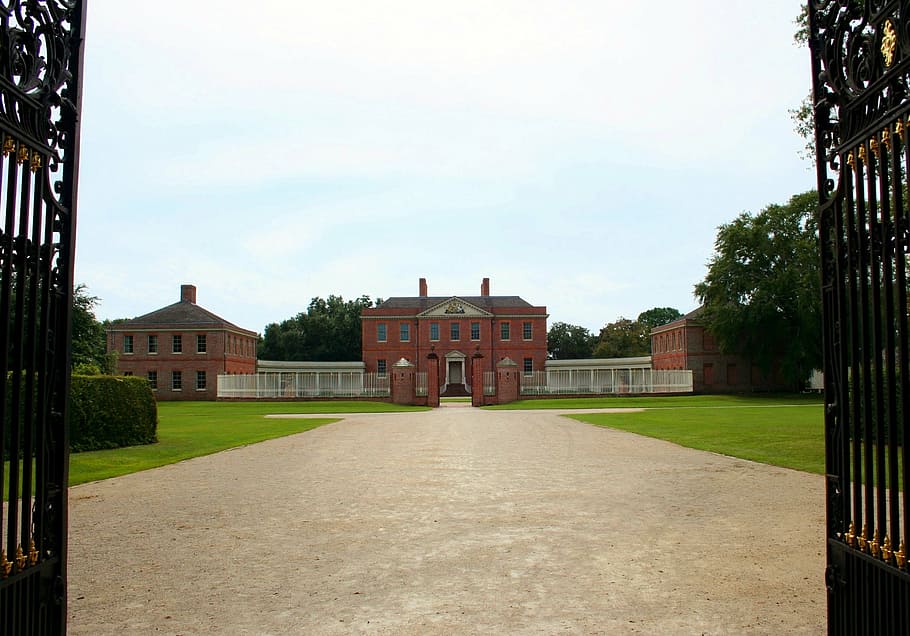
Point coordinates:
[(455, 521)]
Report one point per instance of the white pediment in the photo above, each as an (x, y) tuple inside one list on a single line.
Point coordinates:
[(454, 307)]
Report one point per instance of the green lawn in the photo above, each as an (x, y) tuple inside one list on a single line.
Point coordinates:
[(784, 431), (192, 429), (676, 401)]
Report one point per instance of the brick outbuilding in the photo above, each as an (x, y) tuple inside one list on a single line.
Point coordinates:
[(182, 348), (685, 343), (455, 329)]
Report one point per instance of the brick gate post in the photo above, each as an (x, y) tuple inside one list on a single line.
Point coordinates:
[(507, 381), (477, 379), (403, 382), (433, 380)]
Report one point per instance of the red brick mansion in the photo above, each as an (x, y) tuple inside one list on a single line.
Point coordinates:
[(461, 331), (182, 348)]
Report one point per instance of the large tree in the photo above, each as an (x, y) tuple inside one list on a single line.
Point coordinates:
[(569, 342), (329, 331), (762, 295), (623, 338), (657, 317), (88, 337)]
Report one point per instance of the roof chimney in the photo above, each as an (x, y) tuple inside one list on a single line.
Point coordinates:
[(485, 287), (423, 287), (188, 294)]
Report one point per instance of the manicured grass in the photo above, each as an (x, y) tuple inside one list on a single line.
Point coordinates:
[(676, 401), (193, 429), (778, 430)]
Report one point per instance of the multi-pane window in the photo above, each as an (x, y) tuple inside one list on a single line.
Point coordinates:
[(177, 344), (200, 380), (404, 332), (504, 330), (176, 380), (127, 344), (153, 379), (528, 366), (153, 344), (526, 330), (381, 332), (381, 367), (200, 343), (475, 331), (454, 331), (434, 331)]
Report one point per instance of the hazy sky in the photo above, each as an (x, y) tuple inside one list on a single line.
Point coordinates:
[(580, 154)]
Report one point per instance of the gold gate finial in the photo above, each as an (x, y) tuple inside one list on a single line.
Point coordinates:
[(889, 42)]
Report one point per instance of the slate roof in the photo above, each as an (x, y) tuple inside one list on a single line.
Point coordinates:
[(184, 314), (422, 303)]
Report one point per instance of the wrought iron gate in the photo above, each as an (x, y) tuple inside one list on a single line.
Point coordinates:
[(40, 94), (861, 82)]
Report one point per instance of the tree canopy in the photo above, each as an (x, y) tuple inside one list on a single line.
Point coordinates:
[(89, 345), (626, 338), (762, 295), (329, 331), (569, 342)]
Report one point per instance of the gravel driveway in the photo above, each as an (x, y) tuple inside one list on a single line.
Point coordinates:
[(452, 521)]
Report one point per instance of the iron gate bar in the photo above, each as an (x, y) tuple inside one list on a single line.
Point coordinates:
[(861, 88), (40, 101)]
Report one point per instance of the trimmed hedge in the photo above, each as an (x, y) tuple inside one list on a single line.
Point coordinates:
[(109, 411), (106, 411)]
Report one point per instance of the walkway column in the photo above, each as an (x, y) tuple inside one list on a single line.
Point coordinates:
[(432, 380), (477, 379), (507, 381), (403, 382)]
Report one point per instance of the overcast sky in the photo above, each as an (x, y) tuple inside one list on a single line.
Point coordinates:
[(580, 154)]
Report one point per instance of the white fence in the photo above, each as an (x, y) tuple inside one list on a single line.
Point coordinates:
[(489, 383), (421, 387), (306, 384), (605, 382)]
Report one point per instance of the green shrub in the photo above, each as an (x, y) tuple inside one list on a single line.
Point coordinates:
[(110, 412)]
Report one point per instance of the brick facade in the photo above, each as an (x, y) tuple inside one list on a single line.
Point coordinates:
[(182, 348), (454, 328), (686, 344)]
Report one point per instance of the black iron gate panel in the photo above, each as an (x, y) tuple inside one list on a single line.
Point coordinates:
[(861, 73), (40, 70)]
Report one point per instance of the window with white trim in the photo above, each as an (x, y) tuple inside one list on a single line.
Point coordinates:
[(200, 343), (127, 344), (177, 344), (475, 331), (381, 368), (526, 330), (152, 377), (505, 330), (153, 344), (404, 332), (381, 334), (200, 380), (434, 331), (454, 331), (528, 366), (176, 381)]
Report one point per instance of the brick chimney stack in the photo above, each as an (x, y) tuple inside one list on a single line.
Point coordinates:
[(485, 287), (188, 294), (423, 287)]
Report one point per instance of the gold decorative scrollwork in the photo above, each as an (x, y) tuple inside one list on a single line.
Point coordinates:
[(889, 42), (874, 147), (874, 545), (901, 556), (23, 153), (36, 161), (851, 161), (21, 559), (900, 130), (9, 146), (863, 156), (887, 552), (863, 539), (886, 138), (32, 554)]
